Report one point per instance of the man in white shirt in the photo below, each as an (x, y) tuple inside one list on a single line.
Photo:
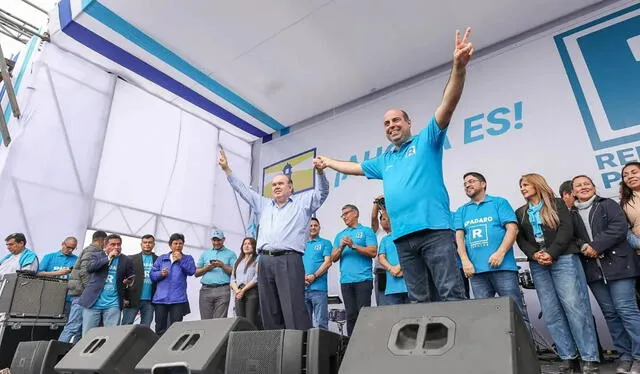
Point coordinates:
[(20, 257)]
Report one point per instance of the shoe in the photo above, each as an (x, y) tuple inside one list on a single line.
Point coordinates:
[(624, 366), (635, 367), (569, 366), (590, 367)]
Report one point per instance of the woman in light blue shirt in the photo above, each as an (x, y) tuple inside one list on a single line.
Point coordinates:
[(244, 282)]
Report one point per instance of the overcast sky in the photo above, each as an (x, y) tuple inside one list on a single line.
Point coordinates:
[(27, 13)]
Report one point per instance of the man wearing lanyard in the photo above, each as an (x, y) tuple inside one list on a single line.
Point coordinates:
[(284, 228)]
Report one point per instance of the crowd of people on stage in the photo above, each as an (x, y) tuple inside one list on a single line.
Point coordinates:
[(423, 251)]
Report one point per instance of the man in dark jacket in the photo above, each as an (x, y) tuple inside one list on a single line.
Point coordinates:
[(139, 295), (102, 298), (78, 279)]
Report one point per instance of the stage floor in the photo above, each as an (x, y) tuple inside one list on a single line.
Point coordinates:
[(608, 367)]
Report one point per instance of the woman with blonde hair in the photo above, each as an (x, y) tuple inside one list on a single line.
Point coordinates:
[(546, 236)]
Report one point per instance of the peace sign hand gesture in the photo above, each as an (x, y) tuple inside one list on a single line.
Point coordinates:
[(463, 49)]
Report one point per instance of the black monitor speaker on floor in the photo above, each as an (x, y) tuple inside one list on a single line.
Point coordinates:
[(483, 336), (202, 345), (108, 350)]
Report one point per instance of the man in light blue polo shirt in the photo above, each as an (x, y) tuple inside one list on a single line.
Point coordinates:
[(59, 264), (415, 195), (215, 266), (355, 247), (317, 260), (486, 228)]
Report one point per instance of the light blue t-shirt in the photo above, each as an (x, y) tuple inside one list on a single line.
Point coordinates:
[(109, 295), (388, 248), (147, 264), (484, 229), (415, 194), (217, 275), (57, 261), (355, 267), (314, 254)]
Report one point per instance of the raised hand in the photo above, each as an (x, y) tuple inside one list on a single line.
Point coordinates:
[(222, 161), (463, 49), (320, 164)]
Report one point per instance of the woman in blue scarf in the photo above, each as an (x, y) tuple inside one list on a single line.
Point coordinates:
[(545, 235)]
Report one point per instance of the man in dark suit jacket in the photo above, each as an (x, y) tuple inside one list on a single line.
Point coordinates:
[(139, 295), (111, 274)]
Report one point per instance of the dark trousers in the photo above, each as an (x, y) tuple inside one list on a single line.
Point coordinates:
[(428, 260), (166, 315), (355, 295), (281, 290), (465, 283), (249, 307)]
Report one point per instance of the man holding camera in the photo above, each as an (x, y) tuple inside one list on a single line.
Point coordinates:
[(215, 266)]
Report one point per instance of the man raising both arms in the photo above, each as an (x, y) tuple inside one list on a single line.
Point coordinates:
[(416, 198)]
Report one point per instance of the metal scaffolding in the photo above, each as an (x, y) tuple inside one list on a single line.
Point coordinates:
[(22, 31), (16, 28)]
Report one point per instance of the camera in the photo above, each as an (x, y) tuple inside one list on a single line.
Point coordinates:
[(380, 203)]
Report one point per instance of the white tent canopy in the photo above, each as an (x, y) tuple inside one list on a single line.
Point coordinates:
[(93, 151)]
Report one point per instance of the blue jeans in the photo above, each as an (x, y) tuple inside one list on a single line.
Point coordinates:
[(318, 307), (395, 299), (633, 240), (503, 283), (146, 314), (428, 260), (73, 328), (564, 299), (617, 299), (91, 318)]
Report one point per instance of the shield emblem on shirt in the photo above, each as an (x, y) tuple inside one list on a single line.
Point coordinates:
[(360, 235), (317, 247)]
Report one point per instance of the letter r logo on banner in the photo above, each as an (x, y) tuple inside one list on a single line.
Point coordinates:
[(602, 62)]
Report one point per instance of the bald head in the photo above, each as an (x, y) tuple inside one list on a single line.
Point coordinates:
[(397, 126), (69, 245)]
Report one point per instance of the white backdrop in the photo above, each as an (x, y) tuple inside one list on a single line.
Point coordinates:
[(518, 114), (93, 151)]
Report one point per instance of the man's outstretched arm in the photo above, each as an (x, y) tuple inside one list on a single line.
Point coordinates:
[(344, 167), (453, 91)]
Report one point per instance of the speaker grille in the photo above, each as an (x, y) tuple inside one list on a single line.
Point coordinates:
[(250, 355)]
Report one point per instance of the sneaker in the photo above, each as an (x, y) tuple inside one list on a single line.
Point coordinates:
[(569, 366), (635, 367), (590, 367), (624, 366)]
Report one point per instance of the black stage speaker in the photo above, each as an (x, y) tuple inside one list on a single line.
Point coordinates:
[(38, 357), (316, 351), (325, 350), (30, 296), (108, 350), (483, 336), (16, 330), (266, 352), (201, 344)]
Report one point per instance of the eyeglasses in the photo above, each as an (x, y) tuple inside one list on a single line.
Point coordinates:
[(345, 213)]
